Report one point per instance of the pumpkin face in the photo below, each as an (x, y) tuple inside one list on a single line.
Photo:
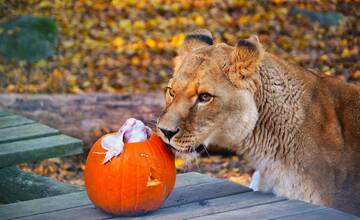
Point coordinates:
[(135, 182)]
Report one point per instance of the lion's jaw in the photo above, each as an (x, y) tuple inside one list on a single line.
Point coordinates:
[(238, 123)]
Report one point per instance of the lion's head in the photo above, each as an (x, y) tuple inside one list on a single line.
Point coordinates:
[(210, 99)]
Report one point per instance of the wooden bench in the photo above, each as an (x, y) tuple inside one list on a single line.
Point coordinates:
[(23, 140), (195, 195)]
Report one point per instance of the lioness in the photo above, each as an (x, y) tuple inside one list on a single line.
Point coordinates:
[(300, 130)]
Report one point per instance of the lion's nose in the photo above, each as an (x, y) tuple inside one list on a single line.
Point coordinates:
[(169, 133)]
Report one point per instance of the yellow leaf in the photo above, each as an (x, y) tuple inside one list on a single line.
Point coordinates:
[(345, 53), (57, 73), (324, 57), (244, 19), (134, 61), (199, 21), (278, 1), (356, 74), (139, 25), (125, 24), (242, 180), (150, 43), (99, 5), (177, 40), (76, 59), (179, 163), (118, 42), (119, 4)]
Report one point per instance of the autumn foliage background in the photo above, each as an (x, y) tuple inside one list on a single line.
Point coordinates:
[(129, 45)]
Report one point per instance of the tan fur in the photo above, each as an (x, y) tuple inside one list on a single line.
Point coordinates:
[(301, 131)]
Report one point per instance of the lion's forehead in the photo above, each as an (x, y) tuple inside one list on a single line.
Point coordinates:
[(185, 87), (189, 67), (198, 69), (205, 58)]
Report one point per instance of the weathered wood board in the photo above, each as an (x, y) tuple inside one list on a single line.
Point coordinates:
[(24, 132), (195, 196), (23, 140), (79, 199), (17, 185), (2, 113), (14, 120), (36, 149)]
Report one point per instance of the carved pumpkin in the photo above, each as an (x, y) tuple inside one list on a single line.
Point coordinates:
[(135, 182)]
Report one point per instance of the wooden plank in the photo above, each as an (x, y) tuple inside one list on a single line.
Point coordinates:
[(81, 204), (14, 120), (181, 195), (4, 113), (320, 214), (60, 202), (17, 185), (38, 149), (213, 206), (267, 211), (192, 178), (26, 132), (203, 191), (89, 212), (28, 208)]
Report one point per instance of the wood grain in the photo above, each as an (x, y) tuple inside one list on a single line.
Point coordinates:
[(190, 187), (13, 120), (26, 132), (38, 149)]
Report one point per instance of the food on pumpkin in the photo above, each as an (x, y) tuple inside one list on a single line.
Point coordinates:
[(129, 172), (132, 131)]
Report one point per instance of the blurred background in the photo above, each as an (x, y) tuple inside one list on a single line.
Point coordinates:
[(86, 66)]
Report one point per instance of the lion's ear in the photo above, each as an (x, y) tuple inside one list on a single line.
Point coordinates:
[(194, 40), (245, 59)]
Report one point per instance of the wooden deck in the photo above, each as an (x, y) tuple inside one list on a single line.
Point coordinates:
[(195, 196)]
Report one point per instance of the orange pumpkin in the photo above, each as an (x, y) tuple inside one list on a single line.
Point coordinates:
[(133, 183)]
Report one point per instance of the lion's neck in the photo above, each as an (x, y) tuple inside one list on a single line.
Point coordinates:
[(275, 137)]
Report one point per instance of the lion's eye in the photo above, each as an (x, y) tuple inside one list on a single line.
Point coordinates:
[(204, 97)]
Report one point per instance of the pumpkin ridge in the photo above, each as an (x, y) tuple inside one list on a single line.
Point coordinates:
[(150, 145), (154, 146), (165, 161), (163, 153), (150, 162)]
